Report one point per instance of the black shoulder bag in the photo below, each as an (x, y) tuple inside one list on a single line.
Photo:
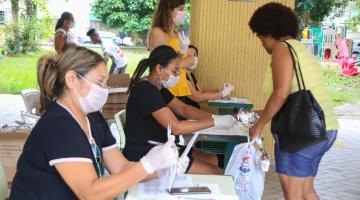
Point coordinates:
[(300, 122)]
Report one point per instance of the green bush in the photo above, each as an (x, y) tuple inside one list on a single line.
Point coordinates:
[(25, 34)]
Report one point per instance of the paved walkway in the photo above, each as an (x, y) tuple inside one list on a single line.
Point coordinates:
[(339, 172)]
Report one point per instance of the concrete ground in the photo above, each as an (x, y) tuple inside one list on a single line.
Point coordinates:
[(339, 172)]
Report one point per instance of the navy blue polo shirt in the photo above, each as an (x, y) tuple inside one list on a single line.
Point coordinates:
[(56, 138)]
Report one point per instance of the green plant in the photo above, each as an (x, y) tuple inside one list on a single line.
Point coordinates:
[(25, 33), (129, 16)]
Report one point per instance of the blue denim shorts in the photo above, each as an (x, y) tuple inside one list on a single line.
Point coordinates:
[(305, 162)]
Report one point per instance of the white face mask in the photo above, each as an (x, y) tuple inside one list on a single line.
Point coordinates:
[(180, 17), (171, 82), (95, 99)]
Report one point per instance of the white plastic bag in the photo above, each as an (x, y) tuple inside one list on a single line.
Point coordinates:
[(248, 176)]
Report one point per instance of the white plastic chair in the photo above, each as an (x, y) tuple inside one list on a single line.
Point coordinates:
[(120, 119), (3, 183), (31, 99)]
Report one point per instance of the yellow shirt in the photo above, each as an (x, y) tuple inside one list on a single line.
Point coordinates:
[(181, 88), (314, 81)]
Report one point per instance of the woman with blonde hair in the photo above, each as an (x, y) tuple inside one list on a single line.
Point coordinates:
[(68, 150)]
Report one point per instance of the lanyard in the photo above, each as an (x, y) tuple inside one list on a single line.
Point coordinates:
[(94, 147)]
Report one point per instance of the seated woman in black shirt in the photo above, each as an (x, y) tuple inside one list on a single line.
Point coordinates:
[(151, 107), (71, 145), (197, 94)]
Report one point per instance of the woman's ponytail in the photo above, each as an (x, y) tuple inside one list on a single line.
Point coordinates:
[(46, 77), (61, 20), (139, 71)]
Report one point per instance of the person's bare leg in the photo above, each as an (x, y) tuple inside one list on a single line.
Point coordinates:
[(309, 192), (206, 157), (292, 187), (201, 167)]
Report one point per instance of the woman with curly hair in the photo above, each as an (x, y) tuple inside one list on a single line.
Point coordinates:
[(277, 27)]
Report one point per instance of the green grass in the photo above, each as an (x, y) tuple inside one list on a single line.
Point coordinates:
[(342, 89), (18, 73)]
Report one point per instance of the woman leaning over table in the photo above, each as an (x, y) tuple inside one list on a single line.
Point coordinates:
[(71, 145), (151, 108), (275, 24)]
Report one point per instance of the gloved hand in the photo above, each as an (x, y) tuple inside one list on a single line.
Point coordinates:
[(184, 42), (196, 61), (227, 89), (224, 121), (160, 156), (183, 164), (180, 167)]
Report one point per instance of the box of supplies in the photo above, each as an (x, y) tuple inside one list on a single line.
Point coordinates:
[(109, 110), (118, 96), (11, 147)]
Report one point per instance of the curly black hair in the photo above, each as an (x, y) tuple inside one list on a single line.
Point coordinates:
[(275, 20)]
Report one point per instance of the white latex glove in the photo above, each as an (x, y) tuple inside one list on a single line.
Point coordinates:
[(227, 89), (196, 61), (160, 156), (224, 121), (184, 42), (183, 164)]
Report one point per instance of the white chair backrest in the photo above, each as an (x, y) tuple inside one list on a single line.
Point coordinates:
[(31, 99), (120, 119), (3, 183)]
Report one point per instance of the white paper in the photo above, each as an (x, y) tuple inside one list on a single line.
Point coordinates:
[(232, 100), (119, 89), (234, 131), (152, 189)]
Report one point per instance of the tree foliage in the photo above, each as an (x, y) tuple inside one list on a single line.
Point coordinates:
[(24, 32), (128, 16), (355, 20), (314, 11)]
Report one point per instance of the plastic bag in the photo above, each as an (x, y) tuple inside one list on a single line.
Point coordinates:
[(247, 172)]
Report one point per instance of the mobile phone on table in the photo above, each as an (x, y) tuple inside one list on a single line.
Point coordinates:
[(189, 190)]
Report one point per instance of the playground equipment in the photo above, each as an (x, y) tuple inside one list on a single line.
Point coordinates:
[(329, 48), (348, 67)]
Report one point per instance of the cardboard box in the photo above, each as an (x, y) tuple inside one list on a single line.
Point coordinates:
[(11, 147), (118, 80), (109, 110), (118, 96)]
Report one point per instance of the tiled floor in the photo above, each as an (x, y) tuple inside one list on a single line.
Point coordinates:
[(339, 173)]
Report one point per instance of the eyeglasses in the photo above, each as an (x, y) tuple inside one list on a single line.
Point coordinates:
[(99, 83)]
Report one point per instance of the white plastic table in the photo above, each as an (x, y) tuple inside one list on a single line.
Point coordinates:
[(225, 183)]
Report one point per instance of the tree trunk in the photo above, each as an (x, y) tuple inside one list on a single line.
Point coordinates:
[(306, 20), (15, 8), (30, 9)]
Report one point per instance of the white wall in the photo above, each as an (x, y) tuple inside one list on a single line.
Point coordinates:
[(81, 10)]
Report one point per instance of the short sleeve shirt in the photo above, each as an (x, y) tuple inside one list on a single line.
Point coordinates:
[(140, 125), (56, 138)]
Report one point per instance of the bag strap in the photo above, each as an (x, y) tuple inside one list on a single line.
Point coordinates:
[(292, 51)]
